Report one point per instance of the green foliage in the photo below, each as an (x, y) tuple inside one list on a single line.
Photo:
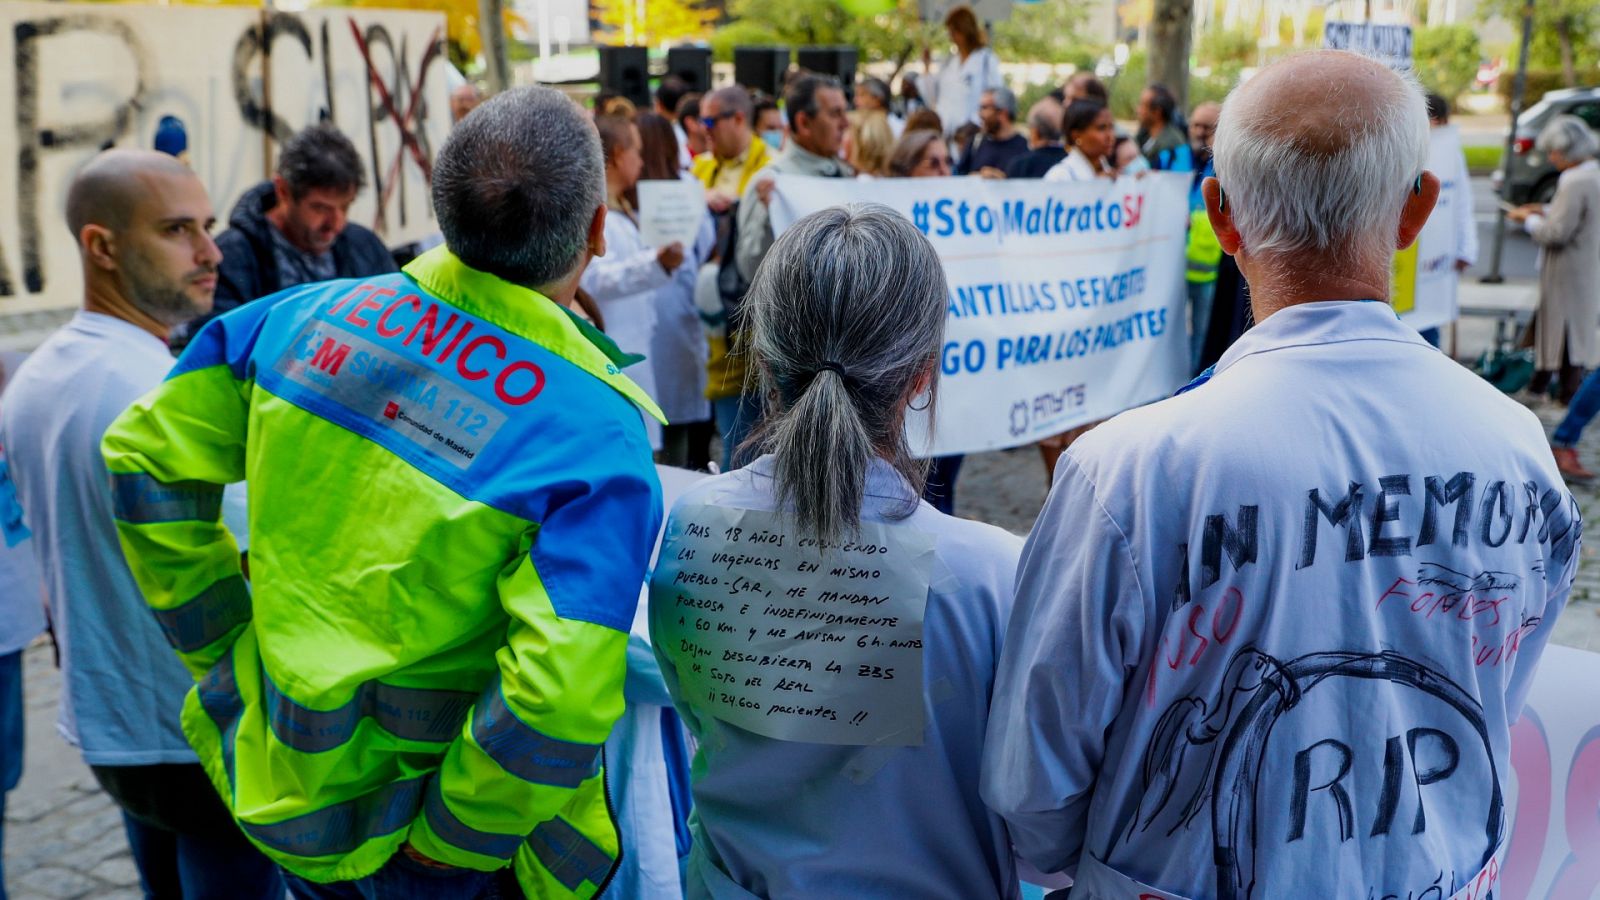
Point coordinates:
[(895, 37), (1045, 32), (1128, 85), (1483, 160), (1446, 59), (1578, 19), (1214, 87), (1032, 94), (1236, 47)]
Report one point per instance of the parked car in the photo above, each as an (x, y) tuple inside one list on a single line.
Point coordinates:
[(1532, 178)]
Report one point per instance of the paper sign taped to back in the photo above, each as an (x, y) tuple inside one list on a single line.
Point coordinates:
[(772, 635)]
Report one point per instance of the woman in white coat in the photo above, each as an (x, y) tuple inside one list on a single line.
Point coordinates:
[(624, 283), (678, 349), (955, 89), (809, 795)]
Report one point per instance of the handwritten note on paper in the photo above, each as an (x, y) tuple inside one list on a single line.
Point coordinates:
[(670, 212), (773, 635)]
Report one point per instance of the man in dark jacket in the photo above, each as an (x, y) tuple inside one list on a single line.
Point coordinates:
[(1045, 145), (294, 229)]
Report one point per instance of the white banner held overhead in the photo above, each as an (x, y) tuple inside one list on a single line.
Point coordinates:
[(1388, 44), (1066, 301)]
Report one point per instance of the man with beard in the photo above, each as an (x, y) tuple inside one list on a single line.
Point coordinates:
[(1001, 142), (142, 221)]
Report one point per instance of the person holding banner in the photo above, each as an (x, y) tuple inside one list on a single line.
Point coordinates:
[(1091, 135), (1271, 633), (829, 767), (625, 283), (955, 89)]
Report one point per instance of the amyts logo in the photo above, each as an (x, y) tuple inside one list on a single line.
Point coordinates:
[(1019, 418), (1043, 408), (391, 410)]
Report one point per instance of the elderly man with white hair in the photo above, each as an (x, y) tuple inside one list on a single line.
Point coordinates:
[(1270, 635)]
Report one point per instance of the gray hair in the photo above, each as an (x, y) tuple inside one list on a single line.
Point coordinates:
[(1044, 120), (1569, 136), (1005, 99), (733, 99), (846, 314), (516, 185), (1290, 194)]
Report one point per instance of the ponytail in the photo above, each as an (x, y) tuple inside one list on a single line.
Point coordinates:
[(823, 450)]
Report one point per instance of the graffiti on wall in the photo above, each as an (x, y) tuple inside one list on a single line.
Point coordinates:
[(238, 82)]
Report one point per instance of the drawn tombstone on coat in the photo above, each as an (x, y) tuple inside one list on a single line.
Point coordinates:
[(1285, 766)]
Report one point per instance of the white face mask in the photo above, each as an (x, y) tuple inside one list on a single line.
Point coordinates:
[(773, 139)]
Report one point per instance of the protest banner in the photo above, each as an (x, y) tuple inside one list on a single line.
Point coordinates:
[(1425, 277), (1388, 44), (1066, 299), (670, 211), (240, 81)]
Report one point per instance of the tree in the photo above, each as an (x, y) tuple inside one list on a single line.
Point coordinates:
[(894, 37), (653, 21), (1562, 29), (1170, 29), (1045, 32), (1446, 59)]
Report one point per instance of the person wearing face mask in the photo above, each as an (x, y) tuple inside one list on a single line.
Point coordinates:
[(769, 123), (625, 282)]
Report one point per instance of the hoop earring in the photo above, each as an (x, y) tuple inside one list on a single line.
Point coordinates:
[(1222, 200), (924, 406)]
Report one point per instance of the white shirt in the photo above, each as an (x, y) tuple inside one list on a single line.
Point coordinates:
[(678, 349), (1076, 167), (955, 90), (790, 819), (123, 686), (624, 283), (1206, 634)]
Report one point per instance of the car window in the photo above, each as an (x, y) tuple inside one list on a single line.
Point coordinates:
[(1588, 112)]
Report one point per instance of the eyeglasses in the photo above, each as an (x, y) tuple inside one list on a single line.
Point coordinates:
[(710, 122)]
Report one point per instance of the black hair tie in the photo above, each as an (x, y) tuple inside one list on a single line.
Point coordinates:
[(835, 368)]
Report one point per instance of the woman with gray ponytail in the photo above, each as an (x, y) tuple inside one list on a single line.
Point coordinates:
[(829, 638)]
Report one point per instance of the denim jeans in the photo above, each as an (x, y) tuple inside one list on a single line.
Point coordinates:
[(736, 418), (1202, 296), (1585, 404), (403, 878), (176, 866), (11, 720)]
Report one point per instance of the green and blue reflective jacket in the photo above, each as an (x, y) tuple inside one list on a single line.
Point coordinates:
[(452, 507)]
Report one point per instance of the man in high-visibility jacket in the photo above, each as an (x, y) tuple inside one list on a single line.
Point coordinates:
[(452, 505), (1203, 253)]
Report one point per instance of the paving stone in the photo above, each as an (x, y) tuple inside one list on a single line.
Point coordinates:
[(91, 826), (105, 846), (57, 883), (118, 871)]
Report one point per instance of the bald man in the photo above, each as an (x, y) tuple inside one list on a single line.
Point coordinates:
[(1271, 634), (142, 221)]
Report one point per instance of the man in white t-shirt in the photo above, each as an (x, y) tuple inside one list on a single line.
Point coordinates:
[(142, 221)]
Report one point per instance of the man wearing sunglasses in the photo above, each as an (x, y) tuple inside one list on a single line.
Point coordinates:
[(735, 153)]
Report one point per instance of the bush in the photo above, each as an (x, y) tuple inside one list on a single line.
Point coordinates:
[(1235, 48), (1540, 82), (741, 34), (1030, 95), (1446, 59)]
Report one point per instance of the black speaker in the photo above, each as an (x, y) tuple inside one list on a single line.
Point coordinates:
[(840, 62), (626, 70), (693, 65), (761, 68)]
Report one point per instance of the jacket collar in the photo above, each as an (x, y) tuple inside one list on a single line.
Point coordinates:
[(1322, 322), (884, 482), (530, 314)]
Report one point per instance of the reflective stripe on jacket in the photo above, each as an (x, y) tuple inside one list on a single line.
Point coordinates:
[(452, 506)]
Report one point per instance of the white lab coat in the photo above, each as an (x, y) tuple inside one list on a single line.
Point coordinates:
[(955, 90), (624, 283), (1271, 634), (678, 349), (790, 819)]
